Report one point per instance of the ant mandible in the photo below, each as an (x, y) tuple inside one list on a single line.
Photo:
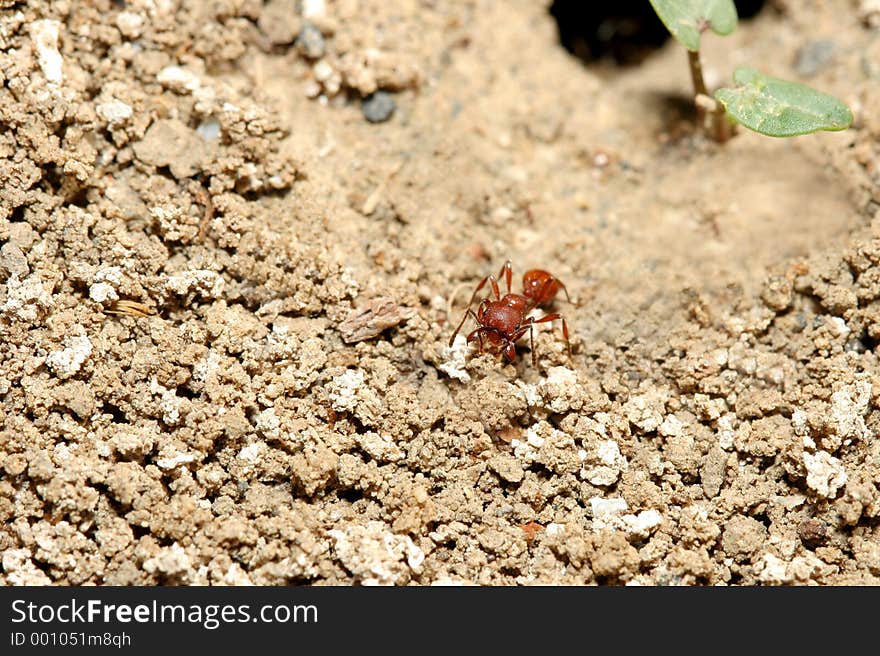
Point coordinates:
[(502, 321)]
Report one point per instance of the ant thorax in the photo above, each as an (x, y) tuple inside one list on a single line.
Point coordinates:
[(517, 302)]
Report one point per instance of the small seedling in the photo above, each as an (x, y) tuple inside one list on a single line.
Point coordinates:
[(768, 105)]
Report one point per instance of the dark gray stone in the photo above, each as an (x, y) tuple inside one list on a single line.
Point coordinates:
[(310, 42), (378, 107)]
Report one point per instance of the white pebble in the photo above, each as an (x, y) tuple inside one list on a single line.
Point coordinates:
[(609, 514), (849, 406), (114, 112), (45, 37), (68, 361), (455, 359), (172, 462), (251, 453), (322, 71), (179, 79), (102, 291), (605, 467), (607, 511), (641, 525), (169, 560), (380, 448), (208, 283), (209, 129), (343, 395), (268, 423), (25, 298), (313, 8), (840, 326), (671, 426), (825, 473), (130, 24), (104, 284), (799, 422)]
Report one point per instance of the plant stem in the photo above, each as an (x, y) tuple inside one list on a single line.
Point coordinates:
[(697, 72), (713, 121)]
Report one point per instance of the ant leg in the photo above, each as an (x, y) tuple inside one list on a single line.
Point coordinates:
[(507, 272), (478, 333), (477, 290), (553, 317), (467, 313), (561, 286), (532, 344), (510, 351), (495, 290), (565, 334), (521, 330)]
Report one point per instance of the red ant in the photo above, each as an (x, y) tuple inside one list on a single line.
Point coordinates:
[(501, 322)]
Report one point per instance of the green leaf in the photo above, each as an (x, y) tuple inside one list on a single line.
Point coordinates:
[(779, 108), (686, 20)]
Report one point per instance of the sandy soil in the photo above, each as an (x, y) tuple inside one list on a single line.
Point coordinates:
[(225, 297)]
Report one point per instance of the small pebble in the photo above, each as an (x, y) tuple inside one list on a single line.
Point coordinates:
[(13, 262), (209, 129), (378, 107), (777, 293), (812, 532), (310, 42), (855, 345)]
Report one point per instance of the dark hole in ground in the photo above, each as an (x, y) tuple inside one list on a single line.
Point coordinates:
[(623, 32), (118, 415)]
